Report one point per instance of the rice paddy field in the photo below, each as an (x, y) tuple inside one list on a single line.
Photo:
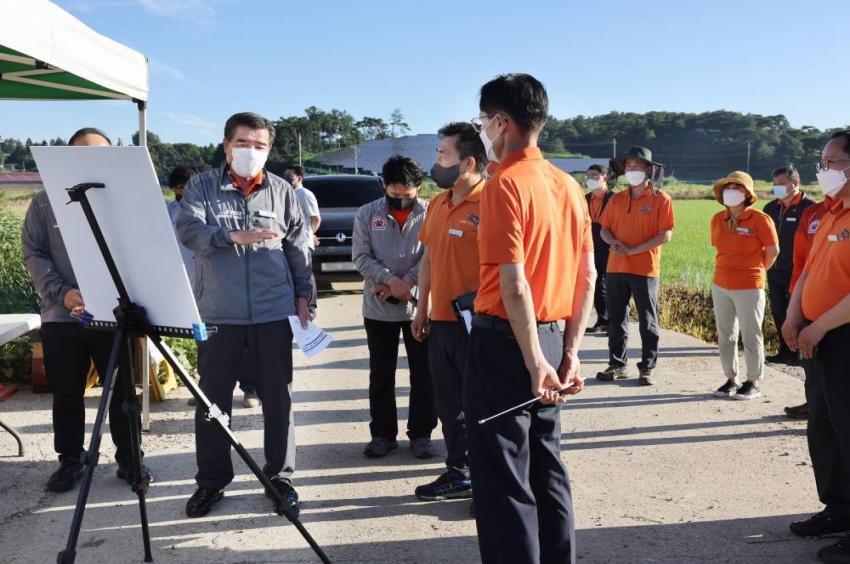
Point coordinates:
[(688, 259)]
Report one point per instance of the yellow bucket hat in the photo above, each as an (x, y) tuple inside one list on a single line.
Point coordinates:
[(737, 177)]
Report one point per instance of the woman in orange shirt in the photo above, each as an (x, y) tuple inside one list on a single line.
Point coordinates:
[(747, 245)]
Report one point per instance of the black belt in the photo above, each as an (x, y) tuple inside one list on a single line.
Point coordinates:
[(503, 325)]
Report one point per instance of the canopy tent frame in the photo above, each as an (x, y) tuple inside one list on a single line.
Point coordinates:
[(48, 54)]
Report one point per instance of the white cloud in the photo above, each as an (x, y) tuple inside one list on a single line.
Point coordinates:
[(195, 10), (191, 120), (158, 67)]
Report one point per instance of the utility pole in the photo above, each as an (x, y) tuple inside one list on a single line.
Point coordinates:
[(299, 149), (749, 146), (614, 143), (355, 159)]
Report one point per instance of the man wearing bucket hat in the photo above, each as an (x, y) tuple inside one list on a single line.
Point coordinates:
[(636, 222), (747, 245)]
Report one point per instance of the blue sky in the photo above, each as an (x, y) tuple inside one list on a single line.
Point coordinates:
[(211, 58)]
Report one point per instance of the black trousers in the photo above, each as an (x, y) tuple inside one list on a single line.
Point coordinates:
[(220, 358), (599, 295), (447, 345), (621, 288), (69, 350), (828, 395), (382, 339), (779, 286), (523, 503)]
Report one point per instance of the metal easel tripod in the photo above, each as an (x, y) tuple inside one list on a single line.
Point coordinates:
[(132, 321)]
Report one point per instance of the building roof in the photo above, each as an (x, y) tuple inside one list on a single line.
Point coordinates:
[(20, 178), (371, 155), (572, 165)]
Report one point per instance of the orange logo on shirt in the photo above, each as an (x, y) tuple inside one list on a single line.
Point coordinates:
[(645, 210), (745, 231)]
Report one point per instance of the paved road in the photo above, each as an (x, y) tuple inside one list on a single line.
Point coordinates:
[(661, 474)]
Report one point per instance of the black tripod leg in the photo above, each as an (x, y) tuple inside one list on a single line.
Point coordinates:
[(131, 411), (214, 413), (15, 436), (91, 457)]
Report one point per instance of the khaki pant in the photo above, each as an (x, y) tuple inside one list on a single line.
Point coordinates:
[(744, 308)]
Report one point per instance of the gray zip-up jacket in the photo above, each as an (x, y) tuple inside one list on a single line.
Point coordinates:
[(47, 260), (381, 250), (244, 284)]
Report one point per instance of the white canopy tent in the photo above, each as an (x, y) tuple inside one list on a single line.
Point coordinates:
[(47, 54)]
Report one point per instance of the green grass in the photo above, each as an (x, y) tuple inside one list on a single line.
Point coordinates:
[(688, 258)]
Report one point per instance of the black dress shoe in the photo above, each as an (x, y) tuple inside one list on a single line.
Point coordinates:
[(798, 411), (127, 473), (820, 525), (838, 552), (64, 479), (289, 495), (202, 501)]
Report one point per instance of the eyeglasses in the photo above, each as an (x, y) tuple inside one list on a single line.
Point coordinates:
[(827, 164), (480, 122)]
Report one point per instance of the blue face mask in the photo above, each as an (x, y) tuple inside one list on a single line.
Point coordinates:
[(780, 191)]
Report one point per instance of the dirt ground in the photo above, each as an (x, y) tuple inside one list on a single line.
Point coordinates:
[(660, 474)]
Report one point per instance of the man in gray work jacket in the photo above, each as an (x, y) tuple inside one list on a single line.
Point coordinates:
[(252, 272), (69, 348), (386, 251)]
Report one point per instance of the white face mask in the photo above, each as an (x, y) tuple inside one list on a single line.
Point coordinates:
[(635, 177), (247, 162), (780, 191), (732, 197), (832, 181), (593, 184), (488, 143)]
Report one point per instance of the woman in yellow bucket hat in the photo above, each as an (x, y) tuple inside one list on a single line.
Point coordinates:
[(746, 244)]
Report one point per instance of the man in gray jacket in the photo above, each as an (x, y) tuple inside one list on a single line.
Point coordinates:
[(386, 251), (69, 348), (252, 272)]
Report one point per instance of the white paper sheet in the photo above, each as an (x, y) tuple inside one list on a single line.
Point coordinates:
[(467, 319), (131, 213), (311, 340)]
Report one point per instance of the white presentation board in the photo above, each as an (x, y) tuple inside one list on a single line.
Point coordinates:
[(132, 215)]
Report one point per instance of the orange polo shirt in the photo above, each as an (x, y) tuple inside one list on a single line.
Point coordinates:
[(828, 266), (535, 214), (247, 185), (635, 221), (739, 263), (805, 235), (596, 206), (451, 235)]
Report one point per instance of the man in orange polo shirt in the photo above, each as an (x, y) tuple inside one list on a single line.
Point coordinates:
[(636, 222), (786, 211), (818, 326), (536, 252), (803, 239), (450, 236)]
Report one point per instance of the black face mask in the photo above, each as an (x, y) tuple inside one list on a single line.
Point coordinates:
[(445, 177), (400, 203)]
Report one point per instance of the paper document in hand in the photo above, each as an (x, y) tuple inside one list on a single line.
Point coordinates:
[(311, 340)]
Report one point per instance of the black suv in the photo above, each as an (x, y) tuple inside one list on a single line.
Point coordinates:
[(339, 197)]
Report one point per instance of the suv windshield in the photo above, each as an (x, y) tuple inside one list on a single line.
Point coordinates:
[(344, 192)]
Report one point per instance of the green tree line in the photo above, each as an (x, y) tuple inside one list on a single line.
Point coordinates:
[(694, 147)]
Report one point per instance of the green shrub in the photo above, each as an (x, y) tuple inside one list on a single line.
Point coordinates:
[(15, 361), (690, 311), (17, 293)]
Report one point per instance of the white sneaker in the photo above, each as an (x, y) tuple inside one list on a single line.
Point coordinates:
[(250, 400)]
